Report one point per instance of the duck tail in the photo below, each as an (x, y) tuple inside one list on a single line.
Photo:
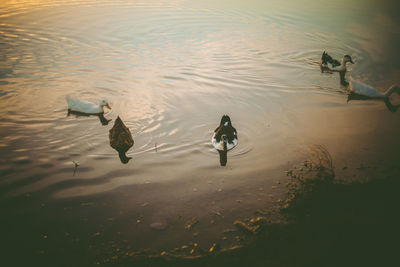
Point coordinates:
[(323, 58), (119, 122)]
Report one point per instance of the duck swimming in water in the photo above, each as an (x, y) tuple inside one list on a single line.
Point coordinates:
[(224, 138), (121, 139), (370, 92), (81, 106), (329, 64), (362, 91)]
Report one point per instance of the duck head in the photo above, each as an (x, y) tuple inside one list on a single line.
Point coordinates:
[(104, 103), (122, 156), (347, 58), (225, 121)]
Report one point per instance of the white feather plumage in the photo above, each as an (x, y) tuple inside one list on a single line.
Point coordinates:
[(77, 105)]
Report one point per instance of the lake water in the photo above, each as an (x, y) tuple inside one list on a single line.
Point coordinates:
[(170, 70)]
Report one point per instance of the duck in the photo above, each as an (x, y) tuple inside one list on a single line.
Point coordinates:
[(362, 91), (370, 92), (330, 64), (81, 106), (121, 139), (224, 138)]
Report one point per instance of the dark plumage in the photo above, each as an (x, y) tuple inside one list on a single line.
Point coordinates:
[(228, 130), (328, 64), (325, 59), (342, 75), (121, 139), (224, 139)]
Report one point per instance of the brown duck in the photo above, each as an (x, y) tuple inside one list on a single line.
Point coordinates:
[(121, 139)]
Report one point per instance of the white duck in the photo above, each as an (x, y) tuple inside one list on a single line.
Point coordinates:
[(82, 106), (362, 91)]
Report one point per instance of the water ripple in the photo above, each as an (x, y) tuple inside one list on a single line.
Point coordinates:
[(170, 70)]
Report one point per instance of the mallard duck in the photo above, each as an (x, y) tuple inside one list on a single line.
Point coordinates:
[(362, 91), (121, 139), (85, 107), (224, 138), (330, 64)]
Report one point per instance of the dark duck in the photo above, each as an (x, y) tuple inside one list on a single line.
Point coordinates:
[(224, 138), (121, 139), (329, 64)]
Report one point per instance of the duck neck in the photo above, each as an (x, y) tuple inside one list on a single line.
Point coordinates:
[(343, 65), (342, 75)]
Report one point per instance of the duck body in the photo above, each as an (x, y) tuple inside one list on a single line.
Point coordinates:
[(224, 139), (121, 139), (365, 90), (225, 135), (328, 62), (85, 107), (368, 92)]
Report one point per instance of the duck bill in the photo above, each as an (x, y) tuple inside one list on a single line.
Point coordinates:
[(108, 106)]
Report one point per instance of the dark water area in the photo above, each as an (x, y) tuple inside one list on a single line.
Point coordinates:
[(170, 70)]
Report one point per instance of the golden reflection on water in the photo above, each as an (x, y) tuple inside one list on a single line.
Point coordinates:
[(170, 69)]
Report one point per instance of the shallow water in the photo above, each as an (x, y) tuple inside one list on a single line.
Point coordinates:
[(170, 70)]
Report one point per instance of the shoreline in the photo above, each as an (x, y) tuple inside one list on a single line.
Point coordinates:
[(320, 218)]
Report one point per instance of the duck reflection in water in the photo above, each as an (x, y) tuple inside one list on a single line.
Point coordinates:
[(224, 139), (361, 91), (121, 139), (84, 108), (101, 117)]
